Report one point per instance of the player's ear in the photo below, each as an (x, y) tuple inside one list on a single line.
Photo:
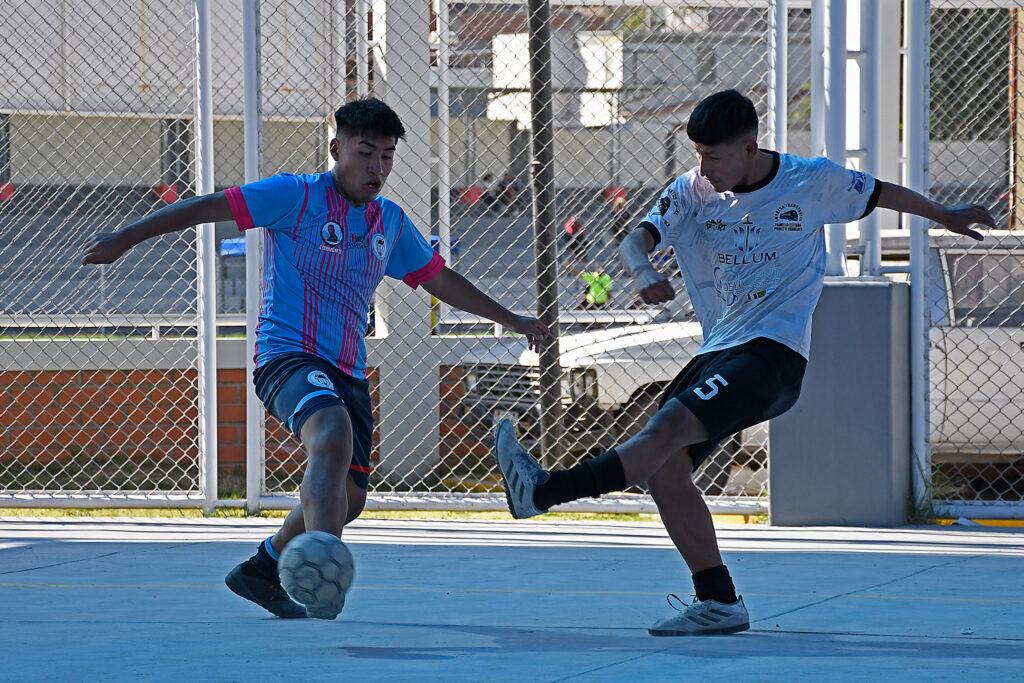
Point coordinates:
[(335, 148), (750, 147)]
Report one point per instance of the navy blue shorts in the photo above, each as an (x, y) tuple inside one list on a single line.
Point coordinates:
[(736, 388), (293, 386)]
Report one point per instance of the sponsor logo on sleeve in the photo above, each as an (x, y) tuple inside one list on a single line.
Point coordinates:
[(858, 182), (664, 204), (789, 218)]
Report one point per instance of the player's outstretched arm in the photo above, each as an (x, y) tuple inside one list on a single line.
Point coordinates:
[(107, 247), (653, 287), (457, 291), (958, 219)]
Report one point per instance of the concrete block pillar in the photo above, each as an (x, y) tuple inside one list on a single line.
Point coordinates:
[(841, 455)]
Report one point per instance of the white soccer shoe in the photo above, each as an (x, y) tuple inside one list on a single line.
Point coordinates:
[(703, 618), (520, 472)]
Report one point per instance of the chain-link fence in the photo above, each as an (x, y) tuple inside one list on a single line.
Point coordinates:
[(98, 363), (977, 292), (624, 80)]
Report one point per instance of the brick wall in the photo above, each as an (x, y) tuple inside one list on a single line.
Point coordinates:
[(460, 447), (145, 422), (50, 415)]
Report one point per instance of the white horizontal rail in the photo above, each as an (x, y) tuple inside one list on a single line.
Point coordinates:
[(485, 502), (90, 320), (971, 510)]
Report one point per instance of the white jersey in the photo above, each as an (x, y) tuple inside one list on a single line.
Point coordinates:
[(753, 258)]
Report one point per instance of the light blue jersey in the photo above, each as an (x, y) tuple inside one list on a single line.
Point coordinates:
[(753, 258), (322, 263)]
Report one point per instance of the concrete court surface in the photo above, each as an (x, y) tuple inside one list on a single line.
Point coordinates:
[(108, 599)]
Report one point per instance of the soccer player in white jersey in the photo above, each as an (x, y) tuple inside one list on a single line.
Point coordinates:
[(747, 229), (331, 239)]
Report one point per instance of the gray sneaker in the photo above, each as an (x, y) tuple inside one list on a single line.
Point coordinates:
[(519, 471), (703, 618)]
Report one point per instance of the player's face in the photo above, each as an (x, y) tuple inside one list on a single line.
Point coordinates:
[(363, 164), (726, 165)]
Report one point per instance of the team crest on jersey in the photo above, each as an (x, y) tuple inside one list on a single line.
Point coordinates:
[(746, 235), (789, 218), (320, 379), (380, 246), (331, 233)]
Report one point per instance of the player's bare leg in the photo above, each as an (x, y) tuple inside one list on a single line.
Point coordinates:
[(671, 430), (531, 491), (686, 517), (329, 498), (327, 436), (294, 524), (685, 514)]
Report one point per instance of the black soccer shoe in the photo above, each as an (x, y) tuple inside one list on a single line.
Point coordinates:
[(246, 581)]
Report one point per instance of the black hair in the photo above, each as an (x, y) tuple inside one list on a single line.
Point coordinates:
[(722, 117), (368, 117)]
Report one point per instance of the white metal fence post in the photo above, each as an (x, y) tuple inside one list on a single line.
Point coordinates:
[(916, 142), (205, 247), (253, 121), (778, 82), (870, 115), (835, 119)]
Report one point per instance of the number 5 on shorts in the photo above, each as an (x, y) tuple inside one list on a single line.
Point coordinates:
[(713, 383)]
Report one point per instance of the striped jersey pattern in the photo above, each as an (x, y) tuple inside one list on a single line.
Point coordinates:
[(322, 263)]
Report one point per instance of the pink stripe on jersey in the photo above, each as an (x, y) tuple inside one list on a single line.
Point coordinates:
[(418, 277), (344, 324), (239, 209)]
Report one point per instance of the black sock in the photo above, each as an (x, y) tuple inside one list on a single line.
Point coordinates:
[(264, 562), (714, 584), (593, 477)]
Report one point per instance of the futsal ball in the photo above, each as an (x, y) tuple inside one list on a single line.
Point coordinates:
[(316, 569)]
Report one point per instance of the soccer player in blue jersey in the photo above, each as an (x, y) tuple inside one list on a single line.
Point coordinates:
[(331, 239), (746, 226)]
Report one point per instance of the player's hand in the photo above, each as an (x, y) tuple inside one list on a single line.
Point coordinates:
[(534, 330), (104, 247), (653, 287), (960, 218)]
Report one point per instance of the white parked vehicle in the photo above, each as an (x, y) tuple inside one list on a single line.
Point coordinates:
[(613, 377)]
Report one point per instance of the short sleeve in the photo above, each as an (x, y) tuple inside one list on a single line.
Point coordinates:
[(413, 260), (846, 195), (268, 203)]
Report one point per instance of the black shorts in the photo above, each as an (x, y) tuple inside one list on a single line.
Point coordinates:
[(736, 388), (293, 386)]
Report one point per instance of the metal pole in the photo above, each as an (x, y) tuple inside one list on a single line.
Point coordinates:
[(444, 162), (206, 285), (870, 115), (818, 55), (835, 115), (362, 48), (778, 85), (916, 141), (543, 178), (255, 441)]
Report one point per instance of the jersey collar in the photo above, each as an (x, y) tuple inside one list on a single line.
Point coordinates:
[(741, 189)]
